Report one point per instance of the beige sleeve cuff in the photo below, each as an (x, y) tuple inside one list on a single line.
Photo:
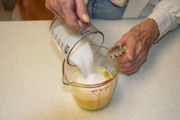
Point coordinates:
[(165, 15), (165, 21)]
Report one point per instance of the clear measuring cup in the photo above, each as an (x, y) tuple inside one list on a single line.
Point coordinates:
[(93, 96), (68, 40)]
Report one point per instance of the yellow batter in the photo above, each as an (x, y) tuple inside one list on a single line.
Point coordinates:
[(94, 98)]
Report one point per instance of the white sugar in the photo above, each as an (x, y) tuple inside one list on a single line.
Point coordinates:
[(93, 78), (83, 58)]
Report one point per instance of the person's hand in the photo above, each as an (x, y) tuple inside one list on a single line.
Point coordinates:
[(120, 3), (138, 41), (69, 11)]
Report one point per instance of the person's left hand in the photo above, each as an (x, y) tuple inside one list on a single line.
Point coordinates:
[(138, 42)]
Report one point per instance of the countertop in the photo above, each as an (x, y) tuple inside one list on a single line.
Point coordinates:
[(31, 87)]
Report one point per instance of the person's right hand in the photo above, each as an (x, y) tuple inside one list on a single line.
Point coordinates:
[(69, 11)]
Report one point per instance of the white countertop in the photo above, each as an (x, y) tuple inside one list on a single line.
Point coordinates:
[(31, 87)]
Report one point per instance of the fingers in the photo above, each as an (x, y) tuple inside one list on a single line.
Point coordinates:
[(64, 9), (136, 65), (69, 11), (60, 16), (135, 54), (69, 15), (52, 5), (82, 11), (130, 44), (138, 53), (138, 42)]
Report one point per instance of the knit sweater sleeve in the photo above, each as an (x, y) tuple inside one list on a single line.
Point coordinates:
[(167, 15)]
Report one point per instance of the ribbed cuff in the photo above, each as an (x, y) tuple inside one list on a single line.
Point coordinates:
[(164, 19)]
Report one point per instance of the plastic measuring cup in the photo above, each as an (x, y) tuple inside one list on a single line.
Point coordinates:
[(68, 40), (93, 96)]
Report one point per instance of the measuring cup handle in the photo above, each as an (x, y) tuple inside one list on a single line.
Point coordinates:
[(117, 51), (84, 27)]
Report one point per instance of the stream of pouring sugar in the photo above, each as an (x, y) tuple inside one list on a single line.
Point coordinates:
[(84, 59)]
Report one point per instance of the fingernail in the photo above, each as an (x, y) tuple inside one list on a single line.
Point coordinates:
[(86, 18)]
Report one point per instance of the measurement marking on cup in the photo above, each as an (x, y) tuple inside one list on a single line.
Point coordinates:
[(100, 89), (66, 49), (106, 87), (93, 91), (59, 41), (61, 44)]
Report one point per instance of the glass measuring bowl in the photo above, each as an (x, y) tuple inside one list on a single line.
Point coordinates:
[(93, 96)]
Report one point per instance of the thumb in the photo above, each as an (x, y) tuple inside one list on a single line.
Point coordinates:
[(82, 11)]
